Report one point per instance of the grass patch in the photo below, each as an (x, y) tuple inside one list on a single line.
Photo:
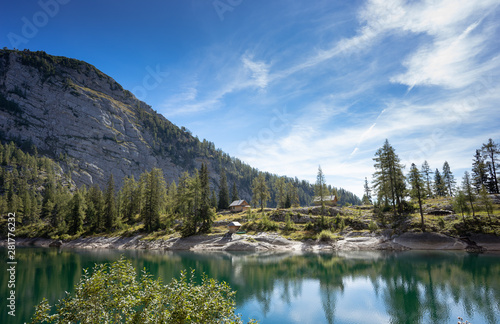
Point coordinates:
[(263, 225)]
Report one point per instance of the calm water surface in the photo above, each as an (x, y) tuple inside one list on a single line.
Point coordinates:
[(349, 287)]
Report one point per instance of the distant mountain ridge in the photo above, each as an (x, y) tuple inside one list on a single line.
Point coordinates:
[(72, 112)]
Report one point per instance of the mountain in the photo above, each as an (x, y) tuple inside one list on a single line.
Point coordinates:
[(75, 114)]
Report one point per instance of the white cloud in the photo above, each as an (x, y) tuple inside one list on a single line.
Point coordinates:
[(450, 62), (447, 59), (441, 48), (259, 71)]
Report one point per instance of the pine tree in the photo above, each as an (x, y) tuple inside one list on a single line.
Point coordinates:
[(95, 209), (234, 193), (417, 191), (426, 173), (171, 198), (460, 204), (439, 185), (292, 196), (490, 151), (389, 181), (321, 190), (28, 206), (260, 191), (223, 192), (367, 197), (154, 199), (206, 212), (129, 202), (479, 176), (280, 197), (448, 179), (468, 192), (185, 203), (77, 214), (110, 213), (486, 202), (213, 199), (48, 199)]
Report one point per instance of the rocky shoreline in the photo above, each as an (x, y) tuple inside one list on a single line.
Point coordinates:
[(274, 242)]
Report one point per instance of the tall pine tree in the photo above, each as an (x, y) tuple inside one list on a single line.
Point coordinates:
[(321, 189), (491, 151), (223, 192), (206, 212), (234, 193), (448, 179), (129, 205), (479, 176), (389, 181), (95, 209), (260, 191), (439, 185), (417, 191), (110, 213), (280, 197), (468, 191), (426, 173), (155, 193), (77, 214), (367, 197)]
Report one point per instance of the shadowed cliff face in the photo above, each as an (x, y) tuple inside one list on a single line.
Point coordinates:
[(73, 112)]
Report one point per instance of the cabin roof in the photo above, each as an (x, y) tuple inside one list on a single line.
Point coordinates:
[(234, 224), (325, 198), (241, 202)]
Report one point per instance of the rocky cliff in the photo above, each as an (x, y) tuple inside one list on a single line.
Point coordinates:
[(84, 119)]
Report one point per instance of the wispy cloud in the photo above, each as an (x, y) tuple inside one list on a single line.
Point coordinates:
[(259, 71), (415, 72)]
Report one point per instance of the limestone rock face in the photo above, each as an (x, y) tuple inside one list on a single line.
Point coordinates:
[(73, 112)]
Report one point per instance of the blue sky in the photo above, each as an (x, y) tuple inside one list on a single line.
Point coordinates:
[(289, 85)]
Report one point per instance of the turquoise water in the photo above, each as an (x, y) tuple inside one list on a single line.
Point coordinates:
[(348, 287)]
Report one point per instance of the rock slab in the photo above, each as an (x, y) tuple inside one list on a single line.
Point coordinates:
[(429, 241)]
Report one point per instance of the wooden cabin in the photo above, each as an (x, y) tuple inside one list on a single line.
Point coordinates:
[(234, 227), (238, 206), (330, 200)]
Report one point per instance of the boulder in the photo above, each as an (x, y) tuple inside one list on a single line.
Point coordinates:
[(429, 241), (489, 242), (56, 243), (272, 239)]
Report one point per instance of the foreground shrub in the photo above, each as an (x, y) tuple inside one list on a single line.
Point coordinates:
[(113, 294)]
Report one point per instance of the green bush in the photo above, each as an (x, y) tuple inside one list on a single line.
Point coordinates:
[(372, 226), (326, 236), (250, 215), (340, 223), (265, 224), (113, 294), (309, 226), (289, 225), (441, 223)]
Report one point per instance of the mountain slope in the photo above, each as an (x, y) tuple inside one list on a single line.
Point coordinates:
[(72, 112), (69, 109)]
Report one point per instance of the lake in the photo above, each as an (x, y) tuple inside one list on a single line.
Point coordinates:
[(337, 287)]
